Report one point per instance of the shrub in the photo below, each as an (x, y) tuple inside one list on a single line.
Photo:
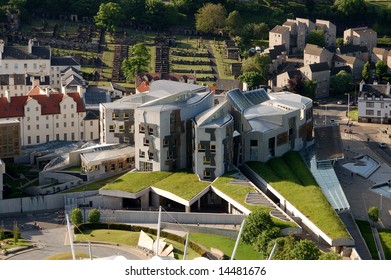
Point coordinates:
[(94, 216)]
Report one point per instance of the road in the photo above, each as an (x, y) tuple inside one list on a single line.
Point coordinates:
[(53, 239)]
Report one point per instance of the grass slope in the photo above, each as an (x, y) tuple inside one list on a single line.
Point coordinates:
[(183, 184), (291, 178), (134, 182)]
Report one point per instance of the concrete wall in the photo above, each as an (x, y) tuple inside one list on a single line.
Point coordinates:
[(142, 217)]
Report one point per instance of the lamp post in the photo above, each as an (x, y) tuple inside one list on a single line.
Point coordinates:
[(348, 105)]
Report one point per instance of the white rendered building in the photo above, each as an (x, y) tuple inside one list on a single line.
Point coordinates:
[(47, 116)]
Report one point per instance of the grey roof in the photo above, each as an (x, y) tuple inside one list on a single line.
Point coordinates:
[(21, 52), (279, 29), (328, 143), (117, 87), (92, 115), (377, 90), (63, 61), (350, 49), (173, 87), (244, 100), (319, 67), (276, 51), (96, 95), (73, 80), (226, 84)]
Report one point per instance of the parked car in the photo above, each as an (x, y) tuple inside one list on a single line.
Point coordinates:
[(352, 103), (334, 122), (382, 145), (340, 102)]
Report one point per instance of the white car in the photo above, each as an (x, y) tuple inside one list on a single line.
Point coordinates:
[(382, 145)]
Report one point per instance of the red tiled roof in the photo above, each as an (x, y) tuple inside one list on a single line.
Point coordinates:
[(49, 104), (35, 91), (143, 87), (12, 109), (79, 101)]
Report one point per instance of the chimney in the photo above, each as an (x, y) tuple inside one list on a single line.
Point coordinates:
[(30, 45), (8, 96), (2, 46), (47, 92)]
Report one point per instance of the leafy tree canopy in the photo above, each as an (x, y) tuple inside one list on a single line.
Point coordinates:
[(94, 216), (253, 79), (138, 62), (316, 37), (350, 7), (76, 216), (330, 256), (381, 68), (366, 71), (341, 83), (109, 16), (305, 250), (373, 214), (256, 222), (211, 18)]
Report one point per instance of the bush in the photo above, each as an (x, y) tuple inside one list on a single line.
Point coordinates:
[(94, 216), (76, 216)]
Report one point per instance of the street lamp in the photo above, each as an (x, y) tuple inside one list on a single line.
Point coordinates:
[(348, 105)]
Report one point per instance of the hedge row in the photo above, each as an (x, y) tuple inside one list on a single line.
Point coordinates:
[(93, 226)]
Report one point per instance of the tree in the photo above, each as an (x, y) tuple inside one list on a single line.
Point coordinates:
[(305, 250), (284, 247), (76, 216), (381, 68), (94, 216), (263, 240), (366, 71), (138, 62), (252, 78), (256, 222), (233, 22), (339, 42), (257, 63), (330, 256), (316, 37), (373, 214), (254, 31), (309, 89), (109, 16), (341, 83), (16, 232), (2, 232), (350, 7), (211, 18), (295, 84)]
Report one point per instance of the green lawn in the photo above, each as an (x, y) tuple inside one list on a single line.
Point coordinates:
[(291, 178), (385, 238), (93, 186), (226, 245), (223, 64), (183, 184), (11, 244), (366, 232), (134, 182), (131, 239), (353, 114)]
